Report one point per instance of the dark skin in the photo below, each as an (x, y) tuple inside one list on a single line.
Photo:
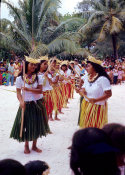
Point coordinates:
[(38, 90), (82, 91)]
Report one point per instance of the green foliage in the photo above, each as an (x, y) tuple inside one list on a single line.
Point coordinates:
[(36, 24), (107, 19)]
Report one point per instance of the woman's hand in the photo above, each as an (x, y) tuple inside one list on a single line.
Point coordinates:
[(92, 100), (77, 89), (26, 89), (83, 91), (22, 104)]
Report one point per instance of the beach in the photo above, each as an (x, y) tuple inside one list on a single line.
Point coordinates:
[(54, 146)]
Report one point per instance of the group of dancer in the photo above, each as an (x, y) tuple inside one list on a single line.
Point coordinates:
[(45, 85), (45, 89)]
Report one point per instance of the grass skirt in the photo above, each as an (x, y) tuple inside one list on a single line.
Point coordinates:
[(48, 101), (93, 115), (35, 122)]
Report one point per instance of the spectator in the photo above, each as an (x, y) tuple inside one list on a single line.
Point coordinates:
[(120, 74), (10, 74), (115, 75), (37, 168), (11, 167), (117, 134), (92, 153)]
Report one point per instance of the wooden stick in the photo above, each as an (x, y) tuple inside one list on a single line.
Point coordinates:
[(22, 114), (75, 70), (57, 71)]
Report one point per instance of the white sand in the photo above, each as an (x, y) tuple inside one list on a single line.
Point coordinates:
[(54, 146)]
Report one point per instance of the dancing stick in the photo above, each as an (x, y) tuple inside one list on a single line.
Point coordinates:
[(22, 114), (57, 71), (75, 70), (80, 78)]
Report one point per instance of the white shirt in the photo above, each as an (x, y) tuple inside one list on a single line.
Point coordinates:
[(66, 74), (115, 72), (97, 88), (11, 69), (53, 78), (77, 69), (29, 96), (46, 85)]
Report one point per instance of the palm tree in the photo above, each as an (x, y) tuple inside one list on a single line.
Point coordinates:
[(109, 18), (34, 19)]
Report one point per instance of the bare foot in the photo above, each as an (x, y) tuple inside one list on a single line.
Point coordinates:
[(50, 132), (26, 150), (61, 112), (36, 149), (51, 119), (57, 119)]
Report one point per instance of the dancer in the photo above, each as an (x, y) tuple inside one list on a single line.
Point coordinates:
[(53, 78), (66, 79), (35, 118), (47, 88), (96, 90)]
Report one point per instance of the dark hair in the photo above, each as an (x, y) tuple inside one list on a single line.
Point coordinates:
[(26, 70), (91, 153), (65, 66), (11, 63), (117, 134), (54, 60), (36, 167), (11, 167), (100, 70), (38, 67)]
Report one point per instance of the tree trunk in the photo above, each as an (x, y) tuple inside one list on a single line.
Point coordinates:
[(114, 43)]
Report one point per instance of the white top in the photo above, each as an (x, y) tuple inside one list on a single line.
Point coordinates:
[(97, 88), (46, 85), (11, 69), (29, 96), (53, 78), (77, 69), (66, 74), (115, 72)]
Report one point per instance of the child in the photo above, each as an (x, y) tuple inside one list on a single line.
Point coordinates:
[(120, 74)]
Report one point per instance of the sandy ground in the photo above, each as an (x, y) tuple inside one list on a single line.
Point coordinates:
[(54, 146)]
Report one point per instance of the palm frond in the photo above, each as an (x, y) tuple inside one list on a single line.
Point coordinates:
[(23, 36), (47, 5), (65, 26), (116, 25), (61, 44), (8, 41), (105, 29), (39, 50), (18, 14)]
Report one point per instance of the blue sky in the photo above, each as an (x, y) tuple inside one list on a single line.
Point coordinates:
[(66, 6)]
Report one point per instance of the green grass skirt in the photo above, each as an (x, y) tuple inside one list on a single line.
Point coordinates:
[(35, 122)]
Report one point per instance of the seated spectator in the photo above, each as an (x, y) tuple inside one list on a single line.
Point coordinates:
[(37, 167), (11, 167), (117, 134), (91, 153), (1, 78)]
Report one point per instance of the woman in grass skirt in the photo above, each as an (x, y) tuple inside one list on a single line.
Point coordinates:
[(47, 88), (35, 117), (96, 90)]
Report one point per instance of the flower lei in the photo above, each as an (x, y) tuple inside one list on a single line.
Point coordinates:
[(53, 73), (91, 80), (30, 79)]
